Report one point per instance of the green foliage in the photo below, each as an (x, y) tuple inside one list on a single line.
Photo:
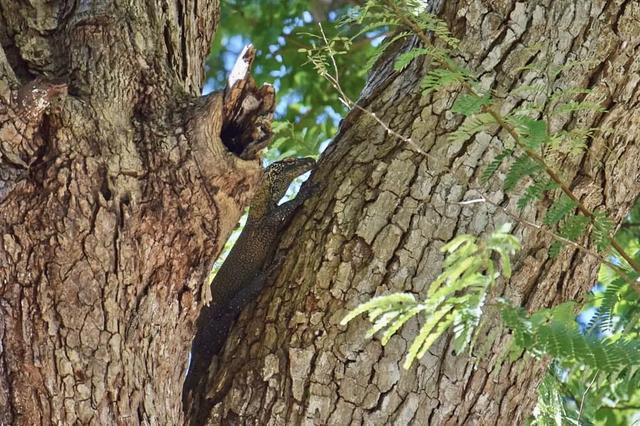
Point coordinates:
[(535, 192), (571, 142), (606, 301), (523, 166), (278, 30), (550, 408), (553, 332), (289, 141), (387, 43), (467, 105), (439, 79), (534, 132), (493, 166), (559, 210), (455, 298), (431, 24), (593, 395), (572, 229), (574, 106), (555, 248), (582, 396), (472, 125), (404, 59), (602, 227), (616, 305)]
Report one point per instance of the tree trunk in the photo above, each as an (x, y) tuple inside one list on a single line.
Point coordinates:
[(383, 211), (114, 200)]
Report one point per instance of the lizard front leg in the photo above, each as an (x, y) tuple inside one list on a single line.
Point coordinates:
[(283, 213)]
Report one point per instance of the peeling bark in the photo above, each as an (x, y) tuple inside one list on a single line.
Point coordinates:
[(383, 211)]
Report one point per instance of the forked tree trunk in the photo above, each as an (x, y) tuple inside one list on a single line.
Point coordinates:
[(384, 210), (113, 203)]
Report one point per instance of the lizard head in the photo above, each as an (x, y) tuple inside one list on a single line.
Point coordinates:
[(279, 175), (275, 181)]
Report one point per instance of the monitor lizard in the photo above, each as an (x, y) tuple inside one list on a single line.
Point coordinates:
[(241, 276)]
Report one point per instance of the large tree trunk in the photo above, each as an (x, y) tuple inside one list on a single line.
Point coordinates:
[(113, 203), (384, 210)]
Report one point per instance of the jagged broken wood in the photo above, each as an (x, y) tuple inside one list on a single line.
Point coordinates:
[(247, 110)]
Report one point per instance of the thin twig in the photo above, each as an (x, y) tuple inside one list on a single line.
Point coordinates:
[(584, 395)]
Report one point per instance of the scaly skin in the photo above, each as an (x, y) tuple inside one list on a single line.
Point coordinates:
[(241, 276)]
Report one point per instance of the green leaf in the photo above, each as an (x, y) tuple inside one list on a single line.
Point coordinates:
[(571, 142), (558, 210), (602, 227), (381, 319), (574, 227), (404, 59), (534, 192), (456, 243), (555, 333), (469, 104), (386, 303), (402, 319), (440, 78), (493, 166), (427, 335), (471, 126), (431, 23), (555, 248), (573, 106), (522, 167), (534, 132)]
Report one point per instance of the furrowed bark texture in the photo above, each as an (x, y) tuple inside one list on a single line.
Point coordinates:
[(113, 202), (383, 211)]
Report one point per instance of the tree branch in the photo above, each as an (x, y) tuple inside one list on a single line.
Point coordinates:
[(248, 109)]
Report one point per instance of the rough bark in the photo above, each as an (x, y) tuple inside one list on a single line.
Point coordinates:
[(383, 211), (113, 203)]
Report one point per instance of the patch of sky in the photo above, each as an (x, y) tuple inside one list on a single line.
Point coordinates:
[(588, 315), (329, 114), (324, 145), (232, 46), (209, 86), (286, 100), (376, 38), (281, 72), (584, 318)]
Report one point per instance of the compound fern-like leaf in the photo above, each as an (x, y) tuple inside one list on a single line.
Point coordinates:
[(493, 166), (439, 79), (472, 125), (534, 192), (467, 104), (522, 167), (602, 227), (559, 210)]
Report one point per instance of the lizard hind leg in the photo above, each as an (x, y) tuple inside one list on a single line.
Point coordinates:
[(213, 329)]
